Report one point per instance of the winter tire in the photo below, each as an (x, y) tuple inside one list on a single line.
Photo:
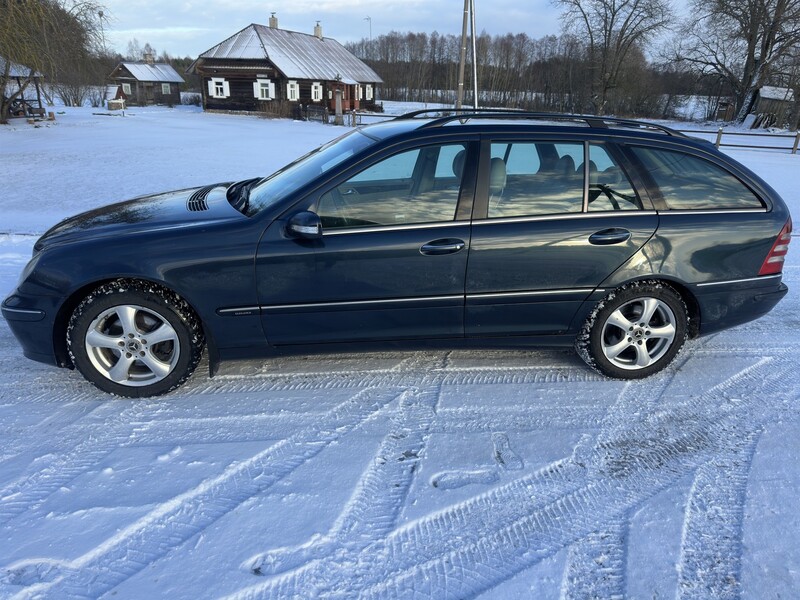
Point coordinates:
[(635, 332), (134, 339)]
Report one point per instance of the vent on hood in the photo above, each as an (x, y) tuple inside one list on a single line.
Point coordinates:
[(197, 201)]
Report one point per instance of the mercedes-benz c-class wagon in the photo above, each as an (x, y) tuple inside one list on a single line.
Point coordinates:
[(477, 228)]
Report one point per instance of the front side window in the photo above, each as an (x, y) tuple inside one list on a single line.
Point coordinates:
[(369, 91), (416, 186), (535, 178), (609, 186), (126, 88), (691, 183), (165, 89)]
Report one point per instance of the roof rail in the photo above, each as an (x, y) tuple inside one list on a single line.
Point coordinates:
[(448, 115)]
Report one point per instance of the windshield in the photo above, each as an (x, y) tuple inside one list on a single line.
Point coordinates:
[(306, 168)]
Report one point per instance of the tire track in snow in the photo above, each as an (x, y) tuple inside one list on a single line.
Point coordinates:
[(380, 495), (76, 449), (173, 522), (711, 549), (473, 546), (596, 565)]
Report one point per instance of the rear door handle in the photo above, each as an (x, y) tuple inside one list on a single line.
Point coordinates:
[(606, 237), (443, 246)]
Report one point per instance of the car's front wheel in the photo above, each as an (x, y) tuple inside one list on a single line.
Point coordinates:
[(134, 339), (635, 332)]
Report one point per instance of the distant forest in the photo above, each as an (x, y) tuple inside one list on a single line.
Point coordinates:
[(632, 58), (546, 74), (553, 73)]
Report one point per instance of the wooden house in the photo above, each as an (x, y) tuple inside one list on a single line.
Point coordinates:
[(260, 67), (148, 82)]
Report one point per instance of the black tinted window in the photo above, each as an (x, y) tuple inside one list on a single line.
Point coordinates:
[(415, 186), (688, 182), (539, 178), (609, 186)]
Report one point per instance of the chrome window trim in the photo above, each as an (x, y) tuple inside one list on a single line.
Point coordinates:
[(568, 216), (381, 228), (729, 281), (712, 211)]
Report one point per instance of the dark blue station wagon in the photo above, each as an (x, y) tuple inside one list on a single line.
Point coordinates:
[(477, 229)]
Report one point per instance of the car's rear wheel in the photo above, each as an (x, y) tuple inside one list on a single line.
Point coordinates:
[(134, 339), (635, 332)]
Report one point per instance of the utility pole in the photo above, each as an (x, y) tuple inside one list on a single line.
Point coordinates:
[(469, 20), (369, 51)]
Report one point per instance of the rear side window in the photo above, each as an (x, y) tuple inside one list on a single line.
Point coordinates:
[(528, 179), (691, 183)]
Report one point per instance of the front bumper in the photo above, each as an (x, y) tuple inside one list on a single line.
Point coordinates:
[(31, 321)]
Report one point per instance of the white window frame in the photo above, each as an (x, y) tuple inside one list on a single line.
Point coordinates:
[(359, 91), (292, 91), (166, 89), (219, 88), (264, 89), (316, 91), (369, 91), (126, 89)]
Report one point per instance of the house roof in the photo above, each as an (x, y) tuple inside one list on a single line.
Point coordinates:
[(17, 70), (296, 55), (771, 92), (160, 72)]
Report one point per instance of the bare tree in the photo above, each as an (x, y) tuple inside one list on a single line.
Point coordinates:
[(53, 37), (741, 41), (613, 28)]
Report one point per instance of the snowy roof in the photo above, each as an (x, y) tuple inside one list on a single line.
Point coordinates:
[(771, 92), (17, 70), (296, 55), (156, 72)]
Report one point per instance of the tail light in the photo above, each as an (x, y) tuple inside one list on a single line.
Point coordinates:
[(774, 262)]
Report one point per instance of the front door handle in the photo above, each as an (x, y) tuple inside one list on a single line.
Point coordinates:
[(443, 246), (606, 237)]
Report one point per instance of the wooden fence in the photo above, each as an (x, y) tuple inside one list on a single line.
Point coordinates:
[(793, 147)]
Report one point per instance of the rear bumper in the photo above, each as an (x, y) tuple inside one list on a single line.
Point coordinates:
[(729, 304)]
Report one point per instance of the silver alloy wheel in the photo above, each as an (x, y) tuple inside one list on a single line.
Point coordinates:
[(132, 346), (638, 333)]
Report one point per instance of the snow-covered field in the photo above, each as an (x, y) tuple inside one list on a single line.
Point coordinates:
[(396, 475)]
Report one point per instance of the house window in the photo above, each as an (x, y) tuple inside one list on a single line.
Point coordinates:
[(316, 91), (292, 91), (219, 88), (359, 92), (126, 89), (369, 91), (264, 89), (165, 89)]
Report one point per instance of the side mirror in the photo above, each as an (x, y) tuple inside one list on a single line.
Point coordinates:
[(305, 225)]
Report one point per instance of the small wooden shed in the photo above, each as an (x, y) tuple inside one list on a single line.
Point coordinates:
[(148, 82)]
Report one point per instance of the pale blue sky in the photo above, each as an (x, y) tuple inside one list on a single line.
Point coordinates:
[(189, 27)]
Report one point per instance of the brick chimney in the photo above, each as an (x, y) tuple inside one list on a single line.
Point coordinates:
[(149, 58), (318, 30), (273, 21)]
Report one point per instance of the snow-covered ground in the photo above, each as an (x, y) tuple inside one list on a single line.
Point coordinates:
[(415, 475)]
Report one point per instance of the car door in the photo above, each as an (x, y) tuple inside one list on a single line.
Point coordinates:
[(554, 218), (392, 258)]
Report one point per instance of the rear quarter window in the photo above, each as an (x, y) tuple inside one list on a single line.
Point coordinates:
[(691, 183)]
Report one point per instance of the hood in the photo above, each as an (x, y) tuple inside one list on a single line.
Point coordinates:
[(160, 211)]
